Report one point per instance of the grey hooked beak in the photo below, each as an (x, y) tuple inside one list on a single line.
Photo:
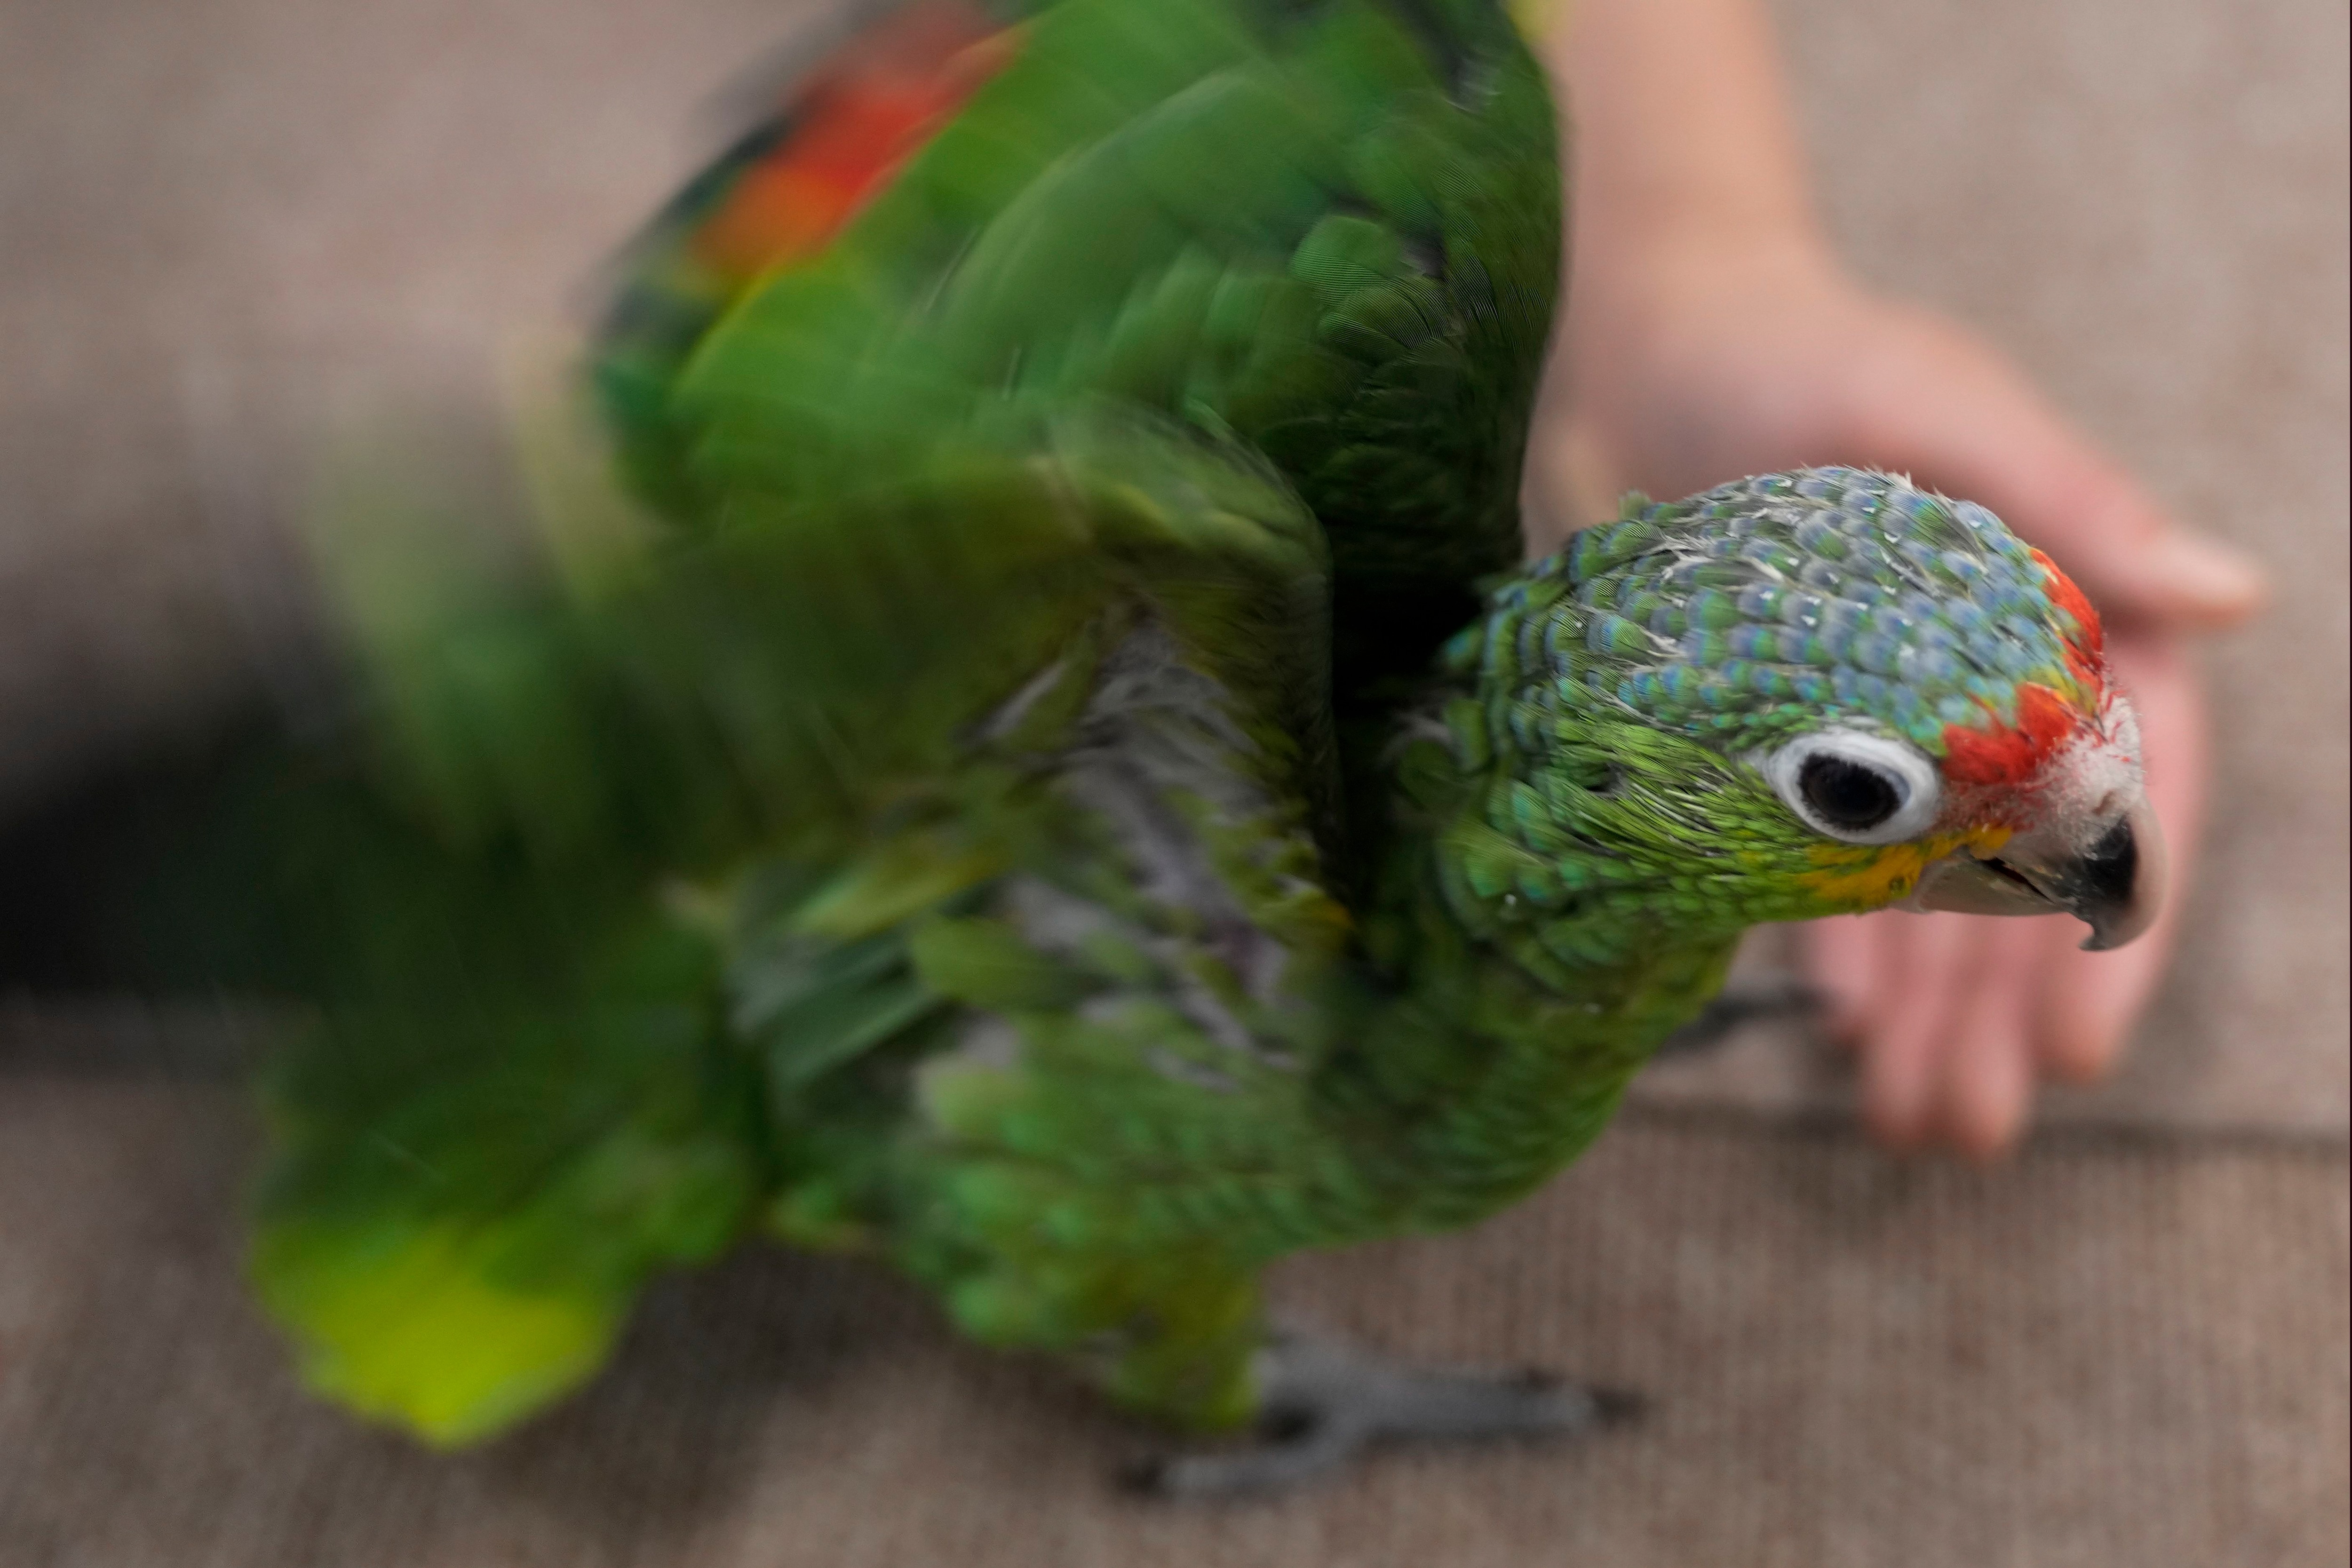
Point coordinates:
[(2113, 883)]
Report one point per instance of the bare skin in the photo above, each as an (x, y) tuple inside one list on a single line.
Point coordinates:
[(1711, 331)]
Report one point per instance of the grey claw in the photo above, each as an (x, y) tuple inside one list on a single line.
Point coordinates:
[(1324, 1403), (1297, 1449)]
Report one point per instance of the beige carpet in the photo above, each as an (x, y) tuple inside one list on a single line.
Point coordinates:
[(2107, 1354), (230, 227)]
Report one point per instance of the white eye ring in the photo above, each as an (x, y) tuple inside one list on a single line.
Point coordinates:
[(1855, 786)]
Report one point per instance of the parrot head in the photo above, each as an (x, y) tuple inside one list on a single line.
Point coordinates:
[(1820, 692)]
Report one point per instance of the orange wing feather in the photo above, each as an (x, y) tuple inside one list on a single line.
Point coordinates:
[(855, 123)]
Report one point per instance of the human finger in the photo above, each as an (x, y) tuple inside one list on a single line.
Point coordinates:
[(1846, 958), (1986, 1059), (1928, 961)]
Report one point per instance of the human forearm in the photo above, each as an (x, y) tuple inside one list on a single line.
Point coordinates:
[(1710, 331), (1683, 138)]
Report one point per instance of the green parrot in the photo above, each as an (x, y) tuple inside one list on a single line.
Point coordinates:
[(1034, 759)]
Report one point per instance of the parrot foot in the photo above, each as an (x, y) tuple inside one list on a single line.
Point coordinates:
[(1324, 1403), (1775, 995)]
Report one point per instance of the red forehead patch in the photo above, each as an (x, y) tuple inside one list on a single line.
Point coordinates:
[(2007, 755), (2086, 647), (2004, 756)]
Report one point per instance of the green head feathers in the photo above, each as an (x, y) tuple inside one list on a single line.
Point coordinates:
[(1787, 696), (1762, 607)]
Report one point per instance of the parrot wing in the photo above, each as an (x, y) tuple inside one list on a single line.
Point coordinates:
[(1333, 230), (614, 872), (1024, 408)]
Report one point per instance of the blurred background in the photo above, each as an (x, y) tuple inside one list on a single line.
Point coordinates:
[(234, 231)]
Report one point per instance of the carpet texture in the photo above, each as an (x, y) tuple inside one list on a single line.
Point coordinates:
[(233, 230), (2107, 1354)]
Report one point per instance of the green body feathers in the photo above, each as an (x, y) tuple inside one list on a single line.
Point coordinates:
[(1013, 814)]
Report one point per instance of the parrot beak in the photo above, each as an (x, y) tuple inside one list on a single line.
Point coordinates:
[(2104, 867), (2115, 885)]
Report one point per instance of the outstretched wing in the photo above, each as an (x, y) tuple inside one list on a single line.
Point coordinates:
[(618, 876), (1333, 230), (999, 590)]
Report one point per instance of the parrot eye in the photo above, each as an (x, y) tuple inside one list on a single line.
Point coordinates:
[(1863, 788), (1853, 797)]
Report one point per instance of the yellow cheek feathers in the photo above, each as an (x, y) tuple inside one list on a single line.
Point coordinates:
[(1865, 876)]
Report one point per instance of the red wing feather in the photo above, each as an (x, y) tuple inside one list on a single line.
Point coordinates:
[(851, 125)]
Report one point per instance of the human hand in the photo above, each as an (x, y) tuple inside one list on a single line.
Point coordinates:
[(1706, 362)]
